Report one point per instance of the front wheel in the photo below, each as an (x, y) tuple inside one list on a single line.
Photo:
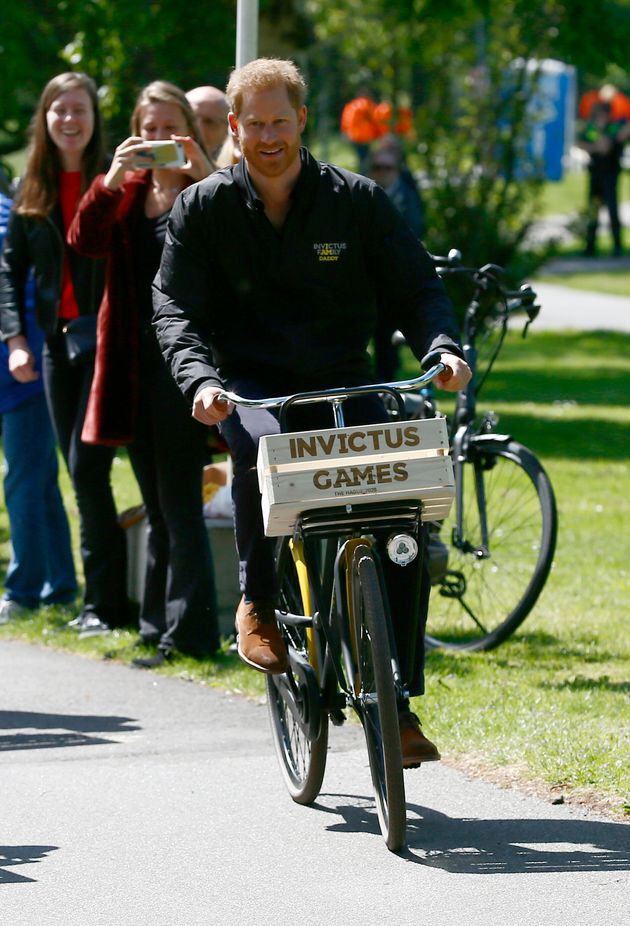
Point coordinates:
[(299, 725), (497, 568), (376, 702)]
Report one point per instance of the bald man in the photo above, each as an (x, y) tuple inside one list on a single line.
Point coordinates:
[(211, 108)]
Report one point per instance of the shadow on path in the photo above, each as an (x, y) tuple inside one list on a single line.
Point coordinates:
[(475, 846), (20, 855), (76, 729)]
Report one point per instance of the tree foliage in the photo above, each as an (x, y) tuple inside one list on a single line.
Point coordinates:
[(122, 44), (462, 65), (454, 61)]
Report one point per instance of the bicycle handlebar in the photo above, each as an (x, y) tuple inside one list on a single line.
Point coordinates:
[(487, 277), (334, 395)]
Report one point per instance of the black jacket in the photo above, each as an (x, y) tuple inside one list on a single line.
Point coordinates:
[(236, 296), (40, 243)]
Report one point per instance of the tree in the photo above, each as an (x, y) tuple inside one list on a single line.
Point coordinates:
[(462, 64), (123, 45)]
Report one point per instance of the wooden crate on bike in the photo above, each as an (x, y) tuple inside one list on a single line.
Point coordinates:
[(354, 465)]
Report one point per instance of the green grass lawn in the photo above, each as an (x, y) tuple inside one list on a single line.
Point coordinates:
[(565, 196), (569, 195), (614, 282), (550, 706), (553, 701)]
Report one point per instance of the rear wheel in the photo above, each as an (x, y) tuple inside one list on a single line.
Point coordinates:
[(489, 589), (298, 724), (376, 702)]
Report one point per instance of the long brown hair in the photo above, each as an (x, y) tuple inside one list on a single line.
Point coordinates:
[(161, 91), (40, 184)]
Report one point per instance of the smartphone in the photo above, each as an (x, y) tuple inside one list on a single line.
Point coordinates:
[(162, 154)]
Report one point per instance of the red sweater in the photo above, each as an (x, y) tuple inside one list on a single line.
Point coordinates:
[(103, 227)]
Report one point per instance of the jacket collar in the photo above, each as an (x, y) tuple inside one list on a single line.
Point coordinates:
[(304, 189)]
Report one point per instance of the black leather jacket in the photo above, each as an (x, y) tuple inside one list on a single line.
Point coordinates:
[(234, 295), (39, 244)]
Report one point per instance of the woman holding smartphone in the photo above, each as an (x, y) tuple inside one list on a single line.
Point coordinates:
[(134, 400), (65, 153)]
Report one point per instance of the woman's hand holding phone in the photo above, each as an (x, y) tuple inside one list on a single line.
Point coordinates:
[(197, 165), (135, 153), (127, 156)]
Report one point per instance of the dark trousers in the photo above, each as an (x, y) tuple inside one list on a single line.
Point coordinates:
[(408, 586), (168, 455), (102, 539), (603, 192)]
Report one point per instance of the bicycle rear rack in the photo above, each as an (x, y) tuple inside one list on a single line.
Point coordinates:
[(348, 520)]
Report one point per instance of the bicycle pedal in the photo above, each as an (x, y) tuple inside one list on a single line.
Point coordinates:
[(337, 717)]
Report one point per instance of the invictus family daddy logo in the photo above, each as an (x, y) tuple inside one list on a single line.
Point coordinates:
[(329, 250)]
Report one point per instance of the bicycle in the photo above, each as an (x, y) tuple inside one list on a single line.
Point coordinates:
[(490, 559), (327, 496)]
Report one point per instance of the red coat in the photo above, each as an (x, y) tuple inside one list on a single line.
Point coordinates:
[(103, 227)]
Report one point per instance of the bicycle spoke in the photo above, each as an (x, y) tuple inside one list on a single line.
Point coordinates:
[(298, 725), (494, 592)]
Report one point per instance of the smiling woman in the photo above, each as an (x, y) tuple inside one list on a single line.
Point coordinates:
[(134, 400), (70, 123), (65, 153)]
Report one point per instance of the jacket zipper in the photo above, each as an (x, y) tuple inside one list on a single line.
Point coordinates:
[(60, 239)]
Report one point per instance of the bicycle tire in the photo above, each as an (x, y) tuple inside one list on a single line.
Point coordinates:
[(376, 703), (299, 725), (480, 602)]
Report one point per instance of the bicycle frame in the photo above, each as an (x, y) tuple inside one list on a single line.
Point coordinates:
[(340, 529), (462, 431), (331, 542)]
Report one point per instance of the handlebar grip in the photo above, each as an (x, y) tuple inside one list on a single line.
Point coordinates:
[(429, 360)]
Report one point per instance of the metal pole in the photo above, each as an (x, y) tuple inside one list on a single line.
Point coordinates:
[(246, 31)]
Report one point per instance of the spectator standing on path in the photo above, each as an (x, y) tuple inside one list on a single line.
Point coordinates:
[(210, 107), (387, 168), (134, 399), (65, 153), (41, 568), (300, 251), (603, 139)]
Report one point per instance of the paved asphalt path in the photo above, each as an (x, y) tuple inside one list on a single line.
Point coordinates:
[(127, 798), (564, 308)]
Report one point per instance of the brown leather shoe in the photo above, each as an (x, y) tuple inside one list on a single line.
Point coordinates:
[(259, 643), (416, 748)]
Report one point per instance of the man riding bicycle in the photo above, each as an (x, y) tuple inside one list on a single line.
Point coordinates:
[(269, 281)]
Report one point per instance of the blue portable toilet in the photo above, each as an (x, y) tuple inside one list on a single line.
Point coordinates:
[(551, 110)]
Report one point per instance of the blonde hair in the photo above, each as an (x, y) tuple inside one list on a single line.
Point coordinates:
[(39, 190), (229, 154), (161, 91), (266, 74)]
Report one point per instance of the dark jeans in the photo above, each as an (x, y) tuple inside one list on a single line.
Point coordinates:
[(41, 570), (102, 539), (168, 456), (603, 192), (242, 430)]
